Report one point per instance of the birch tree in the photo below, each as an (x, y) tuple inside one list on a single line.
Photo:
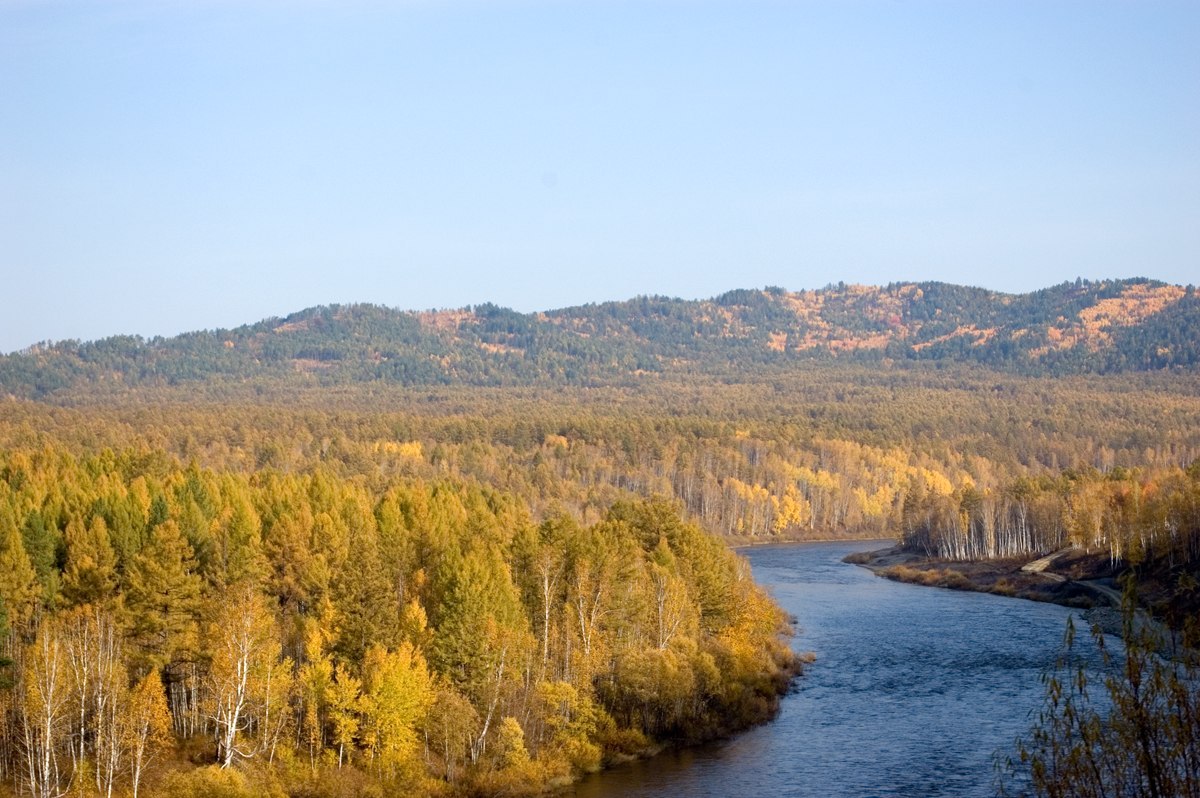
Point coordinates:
[(44, 687), (244, 650)]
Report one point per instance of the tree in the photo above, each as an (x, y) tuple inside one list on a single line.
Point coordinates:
[(514, 755), (299, 575), (245, 649), (480, 631), (237, 539), (148, 722), (19, 590), (94, 656), (593, 579), (346, 708), (568, 721), (669, 596), (90, 575), (1142, 742), (162, 598), (278, 687), (398, 690), (541, 559), (42, 540), (365, 602), (450, 728), (45, 695), (471, 591), (315, 683)]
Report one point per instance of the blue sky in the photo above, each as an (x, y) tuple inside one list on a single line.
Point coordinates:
[(169, 166)]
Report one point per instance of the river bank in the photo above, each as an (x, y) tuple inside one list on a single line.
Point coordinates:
[(1072, 579)]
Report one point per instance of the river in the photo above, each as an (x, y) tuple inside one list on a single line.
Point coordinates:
[(913, 691)]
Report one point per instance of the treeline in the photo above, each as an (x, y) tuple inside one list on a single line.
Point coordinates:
[(773, 459), (328, 635), (1130, 514)]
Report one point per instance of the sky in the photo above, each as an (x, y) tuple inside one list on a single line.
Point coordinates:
[(168, 166)]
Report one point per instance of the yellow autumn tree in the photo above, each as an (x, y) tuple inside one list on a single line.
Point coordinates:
[(148, 724), (19, 589), (346, 706), (90, 573), (399, 690), (568, 720), (791, 510)]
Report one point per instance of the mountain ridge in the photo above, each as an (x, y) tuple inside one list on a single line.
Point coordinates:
[(1082, 327)]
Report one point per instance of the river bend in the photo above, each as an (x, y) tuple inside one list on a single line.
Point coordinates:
[(913, 691)]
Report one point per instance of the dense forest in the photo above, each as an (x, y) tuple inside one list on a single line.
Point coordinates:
[(826, 453), (290, 560), (330, 638), (1083, 327)]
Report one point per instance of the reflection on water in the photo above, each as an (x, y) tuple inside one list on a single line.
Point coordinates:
[(913, 691)]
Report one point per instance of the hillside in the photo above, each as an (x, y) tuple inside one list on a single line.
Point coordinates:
[(1082, 327)]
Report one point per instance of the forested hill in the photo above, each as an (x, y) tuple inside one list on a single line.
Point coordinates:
[(1108, 326)]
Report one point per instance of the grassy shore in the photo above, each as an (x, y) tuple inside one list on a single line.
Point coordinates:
[(1073, 580)]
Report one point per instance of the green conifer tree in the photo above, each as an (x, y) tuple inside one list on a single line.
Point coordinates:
[(162, 597)]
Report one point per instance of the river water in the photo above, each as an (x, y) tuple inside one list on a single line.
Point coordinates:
[(913, 692)]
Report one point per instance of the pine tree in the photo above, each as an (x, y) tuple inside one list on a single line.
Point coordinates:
[(366, 606), (237, 540), (41, 541), (18, 582), (90, 575), (315, 679)]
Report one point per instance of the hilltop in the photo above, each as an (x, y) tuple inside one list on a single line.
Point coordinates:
[(1081, 327)]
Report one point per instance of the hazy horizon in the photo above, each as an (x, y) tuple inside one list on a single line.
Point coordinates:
[(174, 167)]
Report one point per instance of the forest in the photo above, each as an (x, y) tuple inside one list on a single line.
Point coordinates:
[(177, 630), (1109, 327), (827, 453), (253, 563)]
